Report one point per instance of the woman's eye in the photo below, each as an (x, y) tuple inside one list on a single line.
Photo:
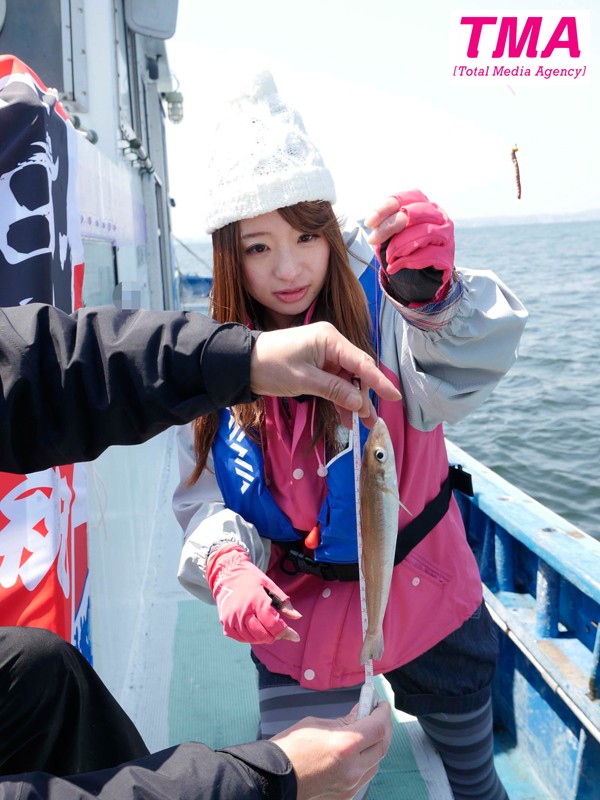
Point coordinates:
[(256, 248), (308, 237)]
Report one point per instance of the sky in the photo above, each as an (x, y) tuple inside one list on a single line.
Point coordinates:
[(373, 83)]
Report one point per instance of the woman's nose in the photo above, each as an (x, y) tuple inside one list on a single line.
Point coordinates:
[(287, 266)]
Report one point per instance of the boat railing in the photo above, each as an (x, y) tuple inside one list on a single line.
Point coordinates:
[(541, 578)]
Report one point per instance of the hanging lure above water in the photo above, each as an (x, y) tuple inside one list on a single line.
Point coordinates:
[(513, 156)]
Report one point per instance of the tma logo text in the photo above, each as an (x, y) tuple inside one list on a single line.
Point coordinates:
[(536, 45)]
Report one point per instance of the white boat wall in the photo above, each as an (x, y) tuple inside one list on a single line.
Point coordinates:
[(107, 64), (160, 651)]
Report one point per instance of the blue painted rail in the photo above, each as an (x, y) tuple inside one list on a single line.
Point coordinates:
[(542, 585)]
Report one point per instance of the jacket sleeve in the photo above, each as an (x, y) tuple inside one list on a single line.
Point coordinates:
[(207, 522), (448, 355), (71, 386), (452, 354), (254, 771)]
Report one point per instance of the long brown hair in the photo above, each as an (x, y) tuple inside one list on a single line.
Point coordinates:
[(341, 302)]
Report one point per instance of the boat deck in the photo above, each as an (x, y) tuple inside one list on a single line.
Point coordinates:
[(212, 698), (162, 653)]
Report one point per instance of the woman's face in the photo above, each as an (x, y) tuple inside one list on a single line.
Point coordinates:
[(283, 269)]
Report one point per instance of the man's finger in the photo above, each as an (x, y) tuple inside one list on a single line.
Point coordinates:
[(374, 729), (367, 413), (334, 388), (358, 363), (367, 418)]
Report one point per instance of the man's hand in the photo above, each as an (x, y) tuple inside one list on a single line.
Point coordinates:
[(333, 759), (316, 359)]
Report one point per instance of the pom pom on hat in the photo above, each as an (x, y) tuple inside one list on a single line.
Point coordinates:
[(262, 157)]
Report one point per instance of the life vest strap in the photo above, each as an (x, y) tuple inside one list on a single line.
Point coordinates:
[(294, 561)]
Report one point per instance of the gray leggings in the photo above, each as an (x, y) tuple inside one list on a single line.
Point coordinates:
[(464, 741)]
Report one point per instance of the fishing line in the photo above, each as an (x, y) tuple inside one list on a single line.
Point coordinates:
[(368, 694)]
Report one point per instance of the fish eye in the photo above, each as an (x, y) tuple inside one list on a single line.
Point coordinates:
[(380, 455)]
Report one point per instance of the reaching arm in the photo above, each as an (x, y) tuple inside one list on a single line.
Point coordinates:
[(315, 759), (71, 386), (224, 560), (189, 771)]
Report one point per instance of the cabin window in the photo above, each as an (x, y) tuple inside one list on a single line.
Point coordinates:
[(100, 272), (127, 93), (128, 74), (49, 37)]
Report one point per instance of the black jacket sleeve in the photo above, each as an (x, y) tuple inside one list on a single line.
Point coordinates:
[(71, 386), (191, 771)]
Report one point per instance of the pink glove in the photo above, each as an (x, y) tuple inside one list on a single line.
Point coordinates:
[(246, 610), (426, 241)]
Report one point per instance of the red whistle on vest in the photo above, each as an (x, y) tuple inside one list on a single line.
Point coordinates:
[(313, 538)]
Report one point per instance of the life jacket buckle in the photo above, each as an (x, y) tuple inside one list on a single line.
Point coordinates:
[(300, 562)]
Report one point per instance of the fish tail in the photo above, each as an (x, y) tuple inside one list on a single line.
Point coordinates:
[(372, 647)]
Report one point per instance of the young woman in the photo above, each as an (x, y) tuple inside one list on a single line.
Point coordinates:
[(266, 498)]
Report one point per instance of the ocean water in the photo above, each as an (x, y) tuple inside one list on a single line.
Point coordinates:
[(540, 429)]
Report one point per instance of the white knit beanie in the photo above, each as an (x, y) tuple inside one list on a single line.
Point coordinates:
[(262, 158)]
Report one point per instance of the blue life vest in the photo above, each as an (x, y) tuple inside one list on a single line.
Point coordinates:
[(239, 469)]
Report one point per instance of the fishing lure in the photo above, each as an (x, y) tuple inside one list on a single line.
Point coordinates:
[(513, 156)]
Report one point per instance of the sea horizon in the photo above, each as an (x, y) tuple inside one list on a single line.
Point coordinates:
[(590, 215)]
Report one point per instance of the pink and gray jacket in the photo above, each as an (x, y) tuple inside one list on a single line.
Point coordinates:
[(446, 356)]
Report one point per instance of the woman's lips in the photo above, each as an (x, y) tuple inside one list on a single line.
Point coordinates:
[(292, 295)]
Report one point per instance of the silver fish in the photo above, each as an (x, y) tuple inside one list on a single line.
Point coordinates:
[(379, 507)]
